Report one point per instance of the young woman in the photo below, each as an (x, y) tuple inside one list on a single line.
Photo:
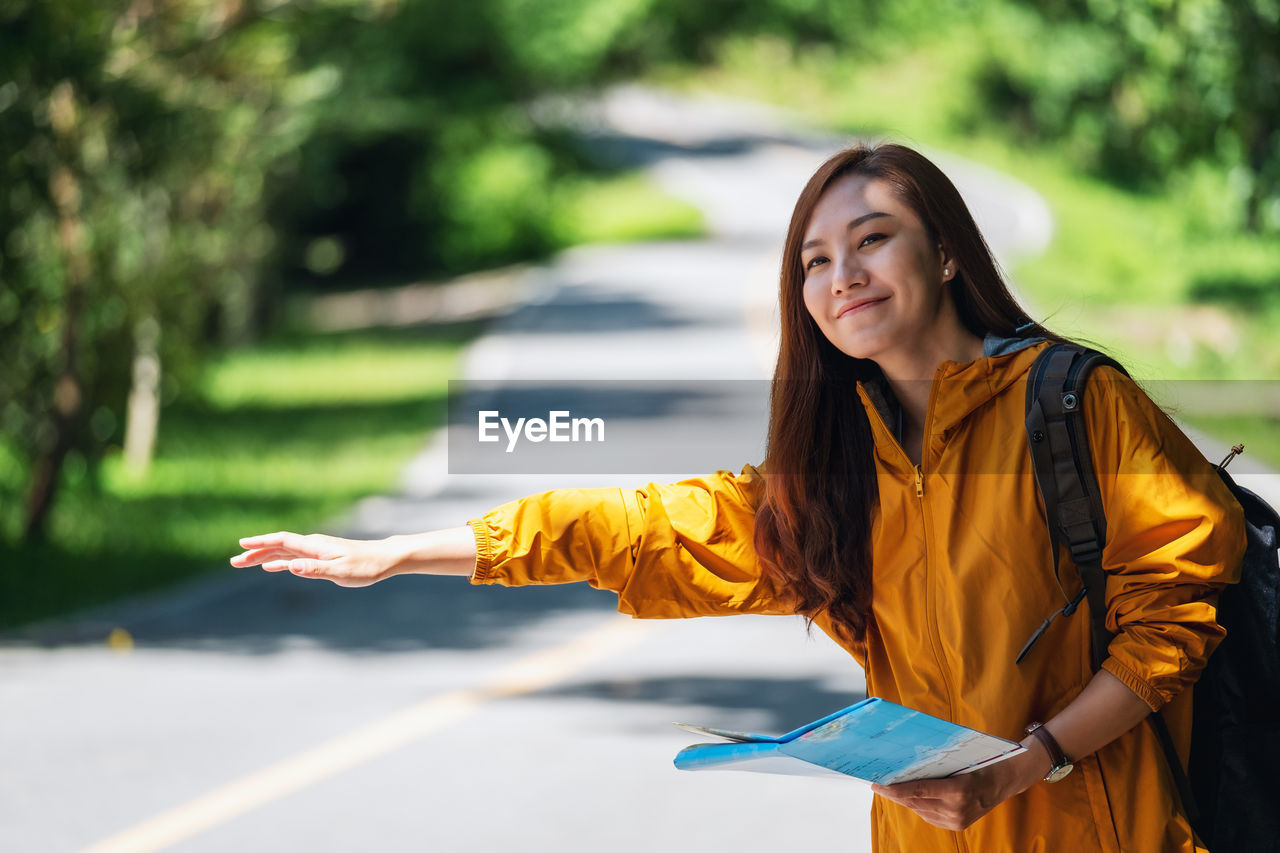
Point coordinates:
[(897, 510)]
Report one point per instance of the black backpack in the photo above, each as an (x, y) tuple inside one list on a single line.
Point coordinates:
[(1231, 790)]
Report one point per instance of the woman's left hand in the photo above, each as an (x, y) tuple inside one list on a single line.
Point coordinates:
[(346, 562), (957, 801)]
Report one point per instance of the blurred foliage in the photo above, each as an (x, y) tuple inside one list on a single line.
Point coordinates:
[(1256, 433), (1142, 90), (167, 163), (135, 141), (1164, 268), (427, 157), (171, 166)]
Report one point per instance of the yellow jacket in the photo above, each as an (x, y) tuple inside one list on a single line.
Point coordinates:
[(962, 576)]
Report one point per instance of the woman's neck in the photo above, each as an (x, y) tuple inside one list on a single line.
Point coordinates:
[(910, 373)]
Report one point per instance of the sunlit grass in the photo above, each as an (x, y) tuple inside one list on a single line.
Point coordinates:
[(623, 209), (315, 370), (287, 435)]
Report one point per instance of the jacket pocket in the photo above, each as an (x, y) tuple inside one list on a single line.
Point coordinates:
[(1100, 802)]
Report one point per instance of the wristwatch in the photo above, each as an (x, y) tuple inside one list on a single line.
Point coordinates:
[(1061, 764)]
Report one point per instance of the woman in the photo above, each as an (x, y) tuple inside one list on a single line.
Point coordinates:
[(898, 512)]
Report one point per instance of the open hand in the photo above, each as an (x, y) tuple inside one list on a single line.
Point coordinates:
[(346, 562)]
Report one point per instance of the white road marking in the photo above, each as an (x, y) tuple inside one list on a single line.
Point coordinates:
[(535, 672)]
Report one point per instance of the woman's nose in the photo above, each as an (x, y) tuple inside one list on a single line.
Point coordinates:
[(848, 274)]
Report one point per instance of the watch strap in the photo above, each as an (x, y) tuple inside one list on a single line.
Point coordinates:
[(1051, 745)]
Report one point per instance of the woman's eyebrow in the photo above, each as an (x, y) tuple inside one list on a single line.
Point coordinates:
[(875, 214)]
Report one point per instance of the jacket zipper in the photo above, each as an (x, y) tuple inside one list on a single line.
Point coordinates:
[(931, 597), (931, 602), (935, 639)]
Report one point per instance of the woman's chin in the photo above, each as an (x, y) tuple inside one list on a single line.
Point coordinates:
[(864, 348)]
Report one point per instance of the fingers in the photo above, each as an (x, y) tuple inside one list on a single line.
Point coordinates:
[(920, 796), (267, 546), (283, 560), (280, 539), (262, 555), (285, 545), (319, 569), (346, 562), (249, 558), (940, 802), (920, 789), (297, 566)]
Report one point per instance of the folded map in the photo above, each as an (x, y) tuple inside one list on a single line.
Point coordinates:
[(874, 740)]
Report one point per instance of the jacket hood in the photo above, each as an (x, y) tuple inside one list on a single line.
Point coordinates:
[(970, 384)]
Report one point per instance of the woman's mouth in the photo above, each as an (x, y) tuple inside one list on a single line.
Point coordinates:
[(858, 305)]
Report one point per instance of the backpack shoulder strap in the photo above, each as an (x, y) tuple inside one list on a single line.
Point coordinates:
[(1064, 472), (1063, 465)]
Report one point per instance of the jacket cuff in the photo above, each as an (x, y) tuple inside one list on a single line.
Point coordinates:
[(484, 551), (1135, 682)]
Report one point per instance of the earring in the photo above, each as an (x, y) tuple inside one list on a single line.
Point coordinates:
[(946, 271)]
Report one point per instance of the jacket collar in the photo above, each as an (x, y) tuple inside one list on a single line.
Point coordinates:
[(959, 388)]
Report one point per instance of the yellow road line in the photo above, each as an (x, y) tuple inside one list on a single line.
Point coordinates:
[(527, 675)]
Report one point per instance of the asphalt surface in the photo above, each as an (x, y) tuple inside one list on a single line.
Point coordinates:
[(265, 712)]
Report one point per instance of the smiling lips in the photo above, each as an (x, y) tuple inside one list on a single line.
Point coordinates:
[(857, 305)]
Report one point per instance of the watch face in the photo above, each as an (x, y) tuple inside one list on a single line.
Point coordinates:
[(1058, 772)]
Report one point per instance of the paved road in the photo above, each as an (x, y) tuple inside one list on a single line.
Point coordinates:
[(261, 712)]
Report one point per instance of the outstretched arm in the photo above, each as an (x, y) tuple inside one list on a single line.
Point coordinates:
[(359, 562), (667, 551)]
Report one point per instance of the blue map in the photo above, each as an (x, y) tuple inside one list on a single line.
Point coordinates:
[(874, 740)]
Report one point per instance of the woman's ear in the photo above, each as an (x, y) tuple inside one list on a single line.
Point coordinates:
[(949, 266)]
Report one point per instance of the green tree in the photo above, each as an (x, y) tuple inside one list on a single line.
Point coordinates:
[(154, 153), (134, 143)]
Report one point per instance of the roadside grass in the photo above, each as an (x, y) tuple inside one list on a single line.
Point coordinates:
[(624, 208), (286, 434)]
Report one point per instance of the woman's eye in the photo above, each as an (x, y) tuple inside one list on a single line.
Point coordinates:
[(869, 239), (813, 262)]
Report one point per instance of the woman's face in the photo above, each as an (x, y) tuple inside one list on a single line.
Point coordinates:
[(873, 278)]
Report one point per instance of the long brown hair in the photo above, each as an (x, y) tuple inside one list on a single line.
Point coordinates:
[(813, 527)]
